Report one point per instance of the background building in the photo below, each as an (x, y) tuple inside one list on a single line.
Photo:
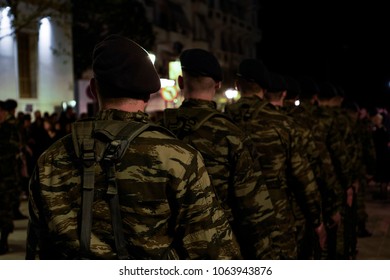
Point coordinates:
[(36, 49), (36, 56)]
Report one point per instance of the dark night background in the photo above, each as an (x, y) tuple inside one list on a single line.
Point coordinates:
[(344, 42)]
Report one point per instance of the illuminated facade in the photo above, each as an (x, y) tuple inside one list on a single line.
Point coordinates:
[(37, 59)]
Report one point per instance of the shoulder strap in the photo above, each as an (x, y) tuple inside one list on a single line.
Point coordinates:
[(84, 146), (114, 138)]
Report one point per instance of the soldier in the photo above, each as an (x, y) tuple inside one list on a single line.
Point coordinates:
[(9, 147), (228, 153), (159, 191), (319, 157), (308, 242), (342, 149), (277, 141)]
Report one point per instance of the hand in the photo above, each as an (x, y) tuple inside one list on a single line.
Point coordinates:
[(321, 233), (356, 185), (336, 218)]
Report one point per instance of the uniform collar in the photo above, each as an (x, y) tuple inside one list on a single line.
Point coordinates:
[(191, 103), (113, 114)]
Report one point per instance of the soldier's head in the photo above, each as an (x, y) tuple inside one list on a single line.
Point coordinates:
[(122, 69), (202, 74), (309, 88), (293, 88), (11, 106), (327, 94), (252, 77), (277, 87)]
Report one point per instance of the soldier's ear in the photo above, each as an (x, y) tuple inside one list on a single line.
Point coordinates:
[(180, 82), (218, 85)]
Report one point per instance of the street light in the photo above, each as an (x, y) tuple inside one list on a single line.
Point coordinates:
[(231, 93)]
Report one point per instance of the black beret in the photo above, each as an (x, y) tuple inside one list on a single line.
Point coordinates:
[(277, 82), (293, 87), (10, 104), (122, 64), (255, 71), (309, 87), (201, 63), (327, 90)]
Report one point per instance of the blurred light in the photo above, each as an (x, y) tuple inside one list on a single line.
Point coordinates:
[(169, 93), (152, 57), (5, 24), (297, 102), (6, 42), (72, 103), (174, 70), (45, 52), (167, 83), (231, 93)]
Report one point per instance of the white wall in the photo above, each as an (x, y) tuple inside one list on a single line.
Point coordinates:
[(55, 82), (8, 72)]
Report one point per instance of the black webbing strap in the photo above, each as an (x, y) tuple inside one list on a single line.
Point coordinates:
[(88, 157), (116, 218), (112, 192)]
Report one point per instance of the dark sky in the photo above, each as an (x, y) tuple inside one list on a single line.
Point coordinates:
[(344, 42)]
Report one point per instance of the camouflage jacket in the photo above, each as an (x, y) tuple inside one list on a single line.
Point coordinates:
[(272, 139), (335, 139), (234, 172), (285, 163), (331, 190), (168, 208)]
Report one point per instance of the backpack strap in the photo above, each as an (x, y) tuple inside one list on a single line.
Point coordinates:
[(105, 142), (121, 134), (85, 150)]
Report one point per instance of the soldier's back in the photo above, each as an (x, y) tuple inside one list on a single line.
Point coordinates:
[(169, 210)]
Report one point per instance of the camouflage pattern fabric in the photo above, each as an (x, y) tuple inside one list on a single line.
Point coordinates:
[(336, 133), (320, 160), (234, 172), (168, 207), (286, 168)]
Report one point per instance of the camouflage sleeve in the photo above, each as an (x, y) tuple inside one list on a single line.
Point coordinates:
[(306, 189), (37, 231), (207, 233), (337, 148), (252, 207), (333, 191)]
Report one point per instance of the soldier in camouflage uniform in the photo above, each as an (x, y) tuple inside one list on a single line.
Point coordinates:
[(9, 146), (308, 241), (228, 153), (319, 157), (276, 142), (168, 208), (341, 145)]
